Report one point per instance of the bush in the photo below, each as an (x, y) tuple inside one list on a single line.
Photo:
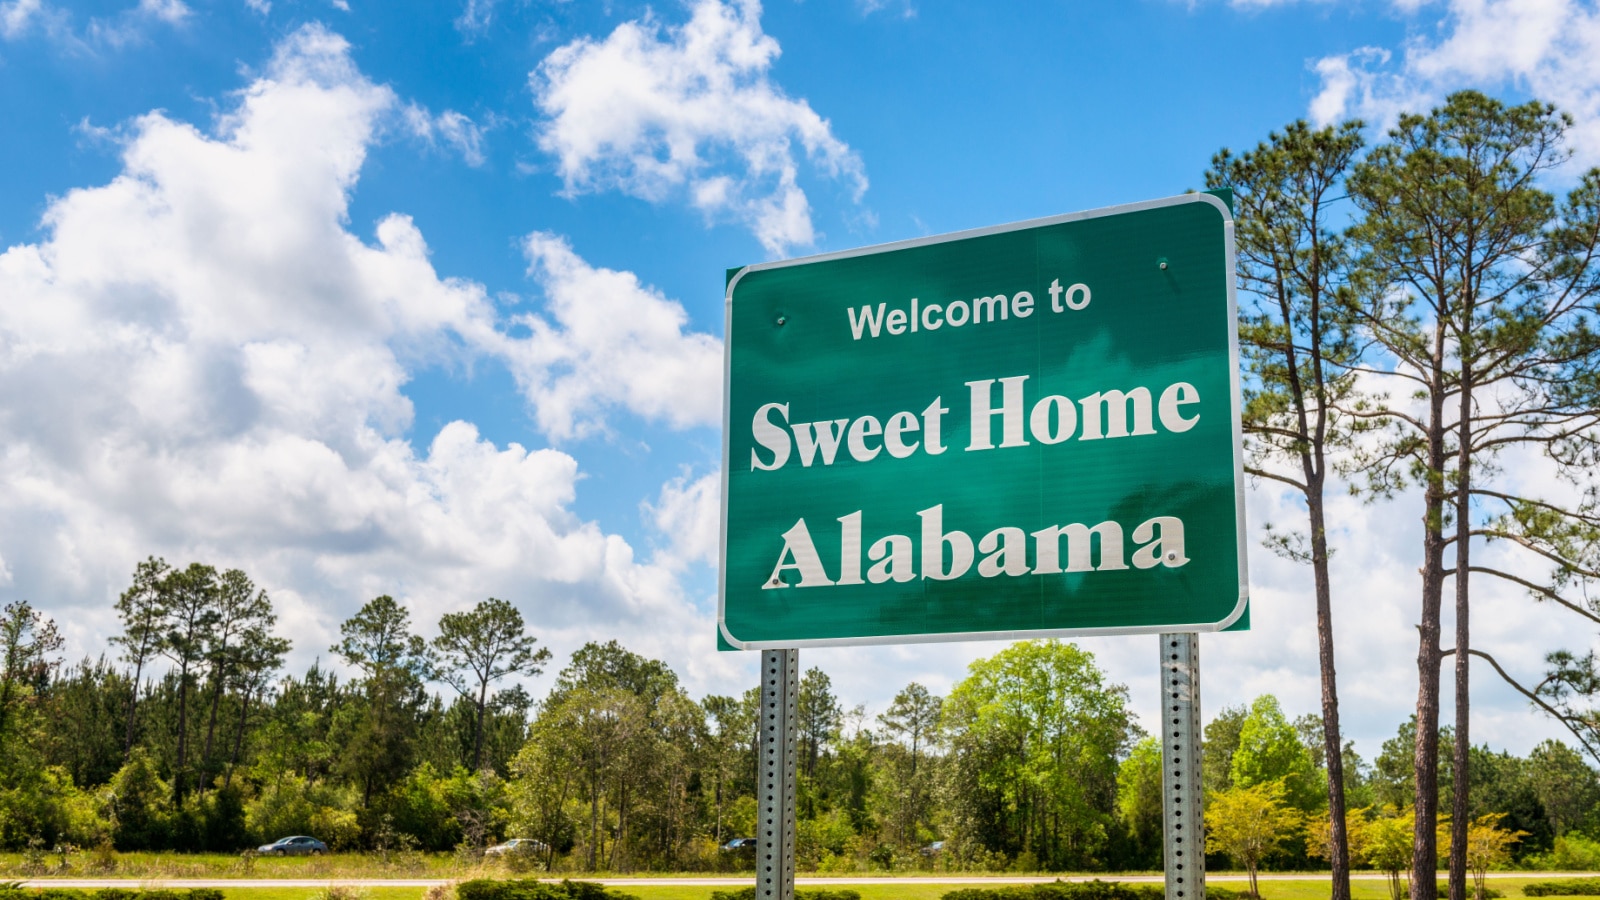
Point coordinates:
[(1489, 893), (749, 893), (1572, 853), (1064, 890), (533, 889), (1570, 887)]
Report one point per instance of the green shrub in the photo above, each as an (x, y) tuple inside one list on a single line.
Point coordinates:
[(61, 894), (749, 893), (203, 894), (1063, 890), (534, 889), (1570, 887), (116, 894), (1572, 853)]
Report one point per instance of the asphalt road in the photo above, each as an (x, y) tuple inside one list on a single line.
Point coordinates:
[(825, 881)]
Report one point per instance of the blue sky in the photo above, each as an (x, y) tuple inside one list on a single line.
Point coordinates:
[(426, 299)]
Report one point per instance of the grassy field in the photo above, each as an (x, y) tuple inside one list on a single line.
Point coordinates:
[(1364, 889)]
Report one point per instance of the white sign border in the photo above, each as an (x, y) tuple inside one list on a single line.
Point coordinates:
[(944, 637)]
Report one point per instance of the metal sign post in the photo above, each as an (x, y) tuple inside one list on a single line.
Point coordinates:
[(1183, 827), (780, 691)]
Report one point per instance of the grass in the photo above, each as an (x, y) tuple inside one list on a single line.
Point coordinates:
[(1364, 889)]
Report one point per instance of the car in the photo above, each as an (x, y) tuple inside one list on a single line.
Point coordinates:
[(517, 845), (299, 845), (933, 849), (741, 844)]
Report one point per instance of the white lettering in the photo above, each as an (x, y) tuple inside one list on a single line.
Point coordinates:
[(897, 321), (899, 423), (771, 436), (1008, 553), (1180, 394), (950, 313), (808, 436), (1022, 305), (1115, 404), (927, 312), (860, 430), (930, 427), (1066, 416), (1011, 412), (934, 540), (1055, 295), (867, 320), (797, 546), (850, 549), (1167, 549), (1077, 290), (895, 551), (1047, 548), (989, 304)]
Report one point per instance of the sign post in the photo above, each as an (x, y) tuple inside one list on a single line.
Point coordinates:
[(1030, 430), (780, 690), (1183, 831)]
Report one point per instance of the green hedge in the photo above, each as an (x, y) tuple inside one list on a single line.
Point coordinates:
[(1570, 887), (532, 889), (12, 891), (749, 893), (1063, 890)]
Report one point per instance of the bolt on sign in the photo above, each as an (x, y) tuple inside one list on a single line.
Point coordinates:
[(1021, 431)]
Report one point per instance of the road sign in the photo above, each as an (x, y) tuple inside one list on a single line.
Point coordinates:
[(1028, 430)]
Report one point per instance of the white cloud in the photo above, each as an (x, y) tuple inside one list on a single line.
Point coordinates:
[(200, 360), (904, 8), (455, 130), (608, 341), (16, 15), (475, 17), (656, 112), (1549, 49), (689, 514)]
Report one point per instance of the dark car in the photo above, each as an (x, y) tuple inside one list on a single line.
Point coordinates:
[(741, 844), (299, 845)]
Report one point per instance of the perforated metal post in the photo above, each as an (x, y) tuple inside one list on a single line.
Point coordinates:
[(1183, 827), (780, 691)]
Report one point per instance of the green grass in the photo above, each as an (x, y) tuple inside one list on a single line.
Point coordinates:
[(1362, 889)]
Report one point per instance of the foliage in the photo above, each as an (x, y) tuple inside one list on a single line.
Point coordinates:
[(1061, 890), (749, 893), (1566, 887), (1270, 750), (1249, 823), (1034, 733), (1488, 847), (533, 889)]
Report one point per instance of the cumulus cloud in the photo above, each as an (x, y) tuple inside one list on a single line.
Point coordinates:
[(200, 360), (1547, 48), (605, 341), (690, 111), (689, 513)]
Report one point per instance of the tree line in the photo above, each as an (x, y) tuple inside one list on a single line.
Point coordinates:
[(192, 737)]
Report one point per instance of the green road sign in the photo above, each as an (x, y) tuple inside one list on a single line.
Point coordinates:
[(1018, 431)]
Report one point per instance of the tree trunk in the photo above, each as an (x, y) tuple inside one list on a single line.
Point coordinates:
[(180, 771), (477, 731), (1458, 769), (1338, 839), (133, 700), (238, 737), (211, 730), (1424, 842)]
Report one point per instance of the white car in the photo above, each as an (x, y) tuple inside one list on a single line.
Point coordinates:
[(517, 845)]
